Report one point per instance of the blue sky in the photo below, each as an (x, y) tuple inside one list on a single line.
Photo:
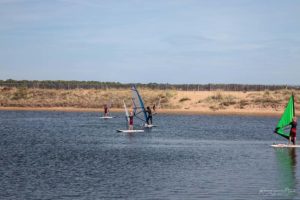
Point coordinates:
[(164, 41)]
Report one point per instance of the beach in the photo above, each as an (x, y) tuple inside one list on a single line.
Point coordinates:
[(160, 111)]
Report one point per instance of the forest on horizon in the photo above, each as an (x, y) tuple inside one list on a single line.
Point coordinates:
[(61, 84)]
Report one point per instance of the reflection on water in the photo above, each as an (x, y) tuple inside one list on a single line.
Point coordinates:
[(287, 166)]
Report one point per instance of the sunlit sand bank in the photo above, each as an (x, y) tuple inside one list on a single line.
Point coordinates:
[(258, 103), (159, 111)]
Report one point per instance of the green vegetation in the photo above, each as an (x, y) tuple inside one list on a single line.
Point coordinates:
[(184, 99), (220, 101), (79, 98), (61, 84), (242, 104), (21, 93), (169, 99)]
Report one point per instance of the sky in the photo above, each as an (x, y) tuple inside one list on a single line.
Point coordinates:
[(162, 41)]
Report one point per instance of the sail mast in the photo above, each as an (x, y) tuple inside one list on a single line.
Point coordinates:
[(126, 114), (293, 104)]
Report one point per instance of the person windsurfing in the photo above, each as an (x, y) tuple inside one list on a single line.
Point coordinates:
[(105, 110), (149, 115), (293, 131), (130, 125)]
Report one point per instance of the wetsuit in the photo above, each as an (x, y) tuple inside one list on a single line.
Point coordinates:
[(105, 110), (293, 131), (149, 116), (131, 120)]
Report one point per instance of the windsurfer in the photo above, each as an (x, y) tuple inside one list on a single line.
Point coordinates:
[(130, 127), (105, 110), (293, 131), (149, 115)]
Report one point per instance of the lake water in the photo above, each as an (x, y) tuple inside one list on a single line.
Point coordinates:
[(66, 155)]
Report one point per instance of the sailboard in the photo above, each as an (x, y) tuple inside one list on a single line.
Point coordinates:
[(139, 108), (149, 125), (285, 146), (283, 126), (106, 117), (130, 131), (127, 122)]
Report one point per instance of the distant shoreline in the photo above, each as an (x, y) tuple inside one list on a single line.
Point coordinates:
[(259, 103), (160, 111)]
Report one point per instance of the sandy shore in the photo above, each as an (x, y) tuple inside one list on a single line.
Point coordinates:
[(251, 103), (244, 112)]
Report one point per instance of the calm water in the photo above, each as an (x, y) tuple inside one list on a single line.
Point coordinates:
[(58, 155)]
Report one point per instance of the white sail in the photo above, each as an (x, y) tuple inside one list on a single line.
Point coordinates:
[(126, 112)]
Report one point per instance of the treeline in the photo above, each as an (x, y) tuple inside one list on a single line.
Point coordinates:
[(60, 84)]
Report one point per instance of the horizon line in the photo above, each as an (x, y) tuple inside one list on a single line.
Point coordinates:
[(149, 83)]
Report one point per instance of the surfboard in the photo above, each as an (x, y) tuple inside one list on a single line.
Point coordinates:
[(107, 117), (130, 131), (149, 126), (285, 146)]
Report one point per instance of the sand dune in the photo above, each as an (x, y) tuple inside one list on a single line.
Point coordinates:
[(166, 101)]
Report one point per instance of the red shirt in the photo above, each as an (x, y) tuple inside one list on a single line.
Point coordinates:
[(130, 120), (293, 129)]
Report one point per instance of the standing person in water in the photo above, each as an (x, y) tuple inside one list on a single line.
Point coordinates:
[(106, 111), (293, 131), (130, 125), (149, 115)]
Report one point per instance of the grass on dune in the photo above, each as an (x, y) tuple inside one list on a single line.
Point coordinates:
[(169, 99)]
